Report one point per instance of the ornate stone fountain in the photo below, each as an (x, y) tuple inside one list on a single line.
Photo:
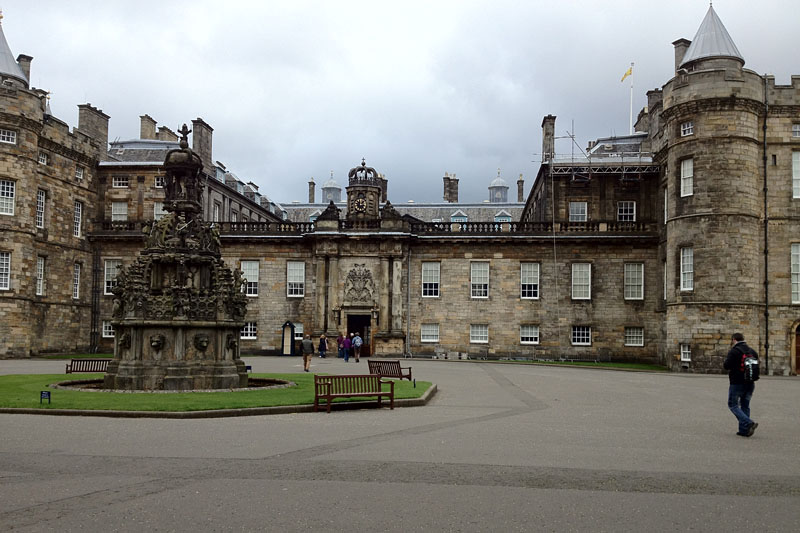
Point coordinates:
[(178, 310)]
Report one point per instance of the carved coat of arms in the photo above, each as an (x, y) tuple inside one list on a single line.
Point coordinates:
[(359, 286)]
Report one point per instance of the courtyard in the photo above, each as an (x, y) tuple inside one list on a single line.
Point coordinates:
[(502, 447)]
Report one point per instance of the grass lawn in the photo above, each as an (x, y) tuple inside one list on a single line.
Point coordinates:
[(22, 391)]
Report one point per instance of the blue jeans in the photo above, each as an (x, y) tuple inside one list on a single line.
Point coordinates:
[(739, 395)]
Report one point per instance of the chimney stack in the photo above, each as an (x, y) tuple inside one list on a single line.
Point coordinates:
[(520, 189), (94, 123), (311, 190), (24, 63), (548, 137), (681, 45), (450, 188), (201, 142), (166, 134), (147, 127)]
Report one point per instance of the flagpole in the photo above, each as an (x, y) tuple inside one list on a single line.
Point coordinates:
[(631, 113)]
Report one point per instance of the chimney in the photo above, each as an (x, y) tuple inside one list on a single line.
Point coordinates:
[(452, 190), (147, 127), (446, 187), (166, 134), (201, 142), (24, 63), (311, 190), (94, 123), (681, 45), (520, 189), (548, 137), (384, 186)]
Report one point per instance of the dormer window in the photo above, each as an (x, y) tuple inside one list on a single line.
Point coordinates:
[(459, 216), (687, 128)]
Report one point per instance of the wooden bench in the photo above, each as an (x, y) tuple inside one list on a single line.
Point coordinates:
[(87, 365), (330, 387), (389, 369)]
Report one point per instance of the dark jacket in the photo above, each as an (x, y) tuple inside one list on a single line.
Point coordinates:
[(307, 346), (733, 363)]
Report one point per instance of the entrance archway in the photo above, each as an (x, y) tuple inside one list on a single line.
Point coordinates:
[(361, 324)]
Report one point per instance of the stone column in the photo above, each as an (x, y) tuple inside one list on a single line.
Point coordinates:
[(319, 288), (397, 295), (383, 296), (333, 292)]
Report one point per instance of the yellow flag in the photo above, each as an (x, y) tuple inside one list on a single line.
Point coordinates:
[(627, 73)]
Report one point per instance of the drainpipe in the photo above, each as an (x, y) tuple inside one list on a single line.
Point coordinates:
[(766, 235)]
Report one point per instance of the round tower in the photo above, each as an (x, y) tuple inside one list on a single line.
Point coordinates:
[(713, 250), (498, 190)]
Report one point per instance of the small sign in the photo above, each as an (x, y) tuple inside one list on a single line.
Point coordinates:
[(44, 395)]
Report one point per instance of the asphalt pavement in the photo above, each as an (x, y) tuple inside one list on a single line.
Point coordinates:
[(500, 447)]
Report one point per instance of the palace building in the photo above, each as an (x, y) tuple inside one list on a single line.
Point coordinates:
[(650, 247)]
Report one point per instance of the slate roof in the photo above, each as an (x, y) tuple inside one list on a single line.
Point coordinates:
[(8, 65), (711, 40), (478, 212)]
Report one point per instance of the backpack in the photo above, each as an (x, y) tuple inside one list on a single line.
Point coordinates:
[(357, 342), (750, 368)]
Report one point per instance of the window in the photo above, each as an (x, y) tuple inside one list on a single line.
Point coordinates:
[(39, 276), (79, 172), (119, 211), (687, 269), (687, 177), (77, 215), (234, 216), (5, 271), (528, 334), (250, 330), (581, 281), (795, 174), (795, 131), (529, 280), (459, 216), (479, 333), (479, 280), (250, 274), (158, 210), (43, 158), (215, 213), (8, 136), (796, 273), (108, 329), (295, 278), (76, 281), (298, 332), (119, 182), (687, 128), (502, 218), (634, 281), (159, 182), (634, 336), (626, 211), (581, 335), (429, 333), (577, 211), (7, 191), (430, 280), (40, 200), (112, 268), (686, 353)]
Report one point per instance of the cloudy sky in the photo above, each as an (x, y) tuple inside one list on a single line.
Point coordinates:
[(297, 89)]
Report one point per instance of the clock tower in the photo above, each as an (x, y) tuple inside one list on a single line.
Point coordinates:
[(363, 193)]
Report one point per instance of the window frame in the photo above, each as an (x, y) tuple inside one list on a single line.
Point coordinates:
[(432, 334), (580, 283), (120, 182), (585, 331), (535, 337), (76, 281), (576, 215), (477, 336), (79, 172), (117, 215), (249, 331), (795, 272), (796, 130), (687, 274), (8, 196), (478, 289), (107, 330), (532, 287), (628, 282), (629, 337), (687, 177), (629, 213), (5, 270), (8, 136), (159, 181), (250, 267), (158, 210), (796, 175), (40, 275), (41, 201), (77, 219), (430, 288), (110, 283), (43, 158), (687, 128), (295, 288), (298, 332), (686, 353)]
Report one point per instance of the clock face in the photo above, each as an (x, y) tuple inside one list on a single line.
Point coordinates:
[(360, 204)]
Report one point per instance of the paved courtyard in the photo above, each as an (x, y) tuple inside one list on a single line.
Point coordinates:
[(501, 447)]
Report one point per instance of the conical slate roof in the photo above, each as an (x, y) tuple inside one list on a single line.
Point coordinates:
[(8, 65), (712, 40)]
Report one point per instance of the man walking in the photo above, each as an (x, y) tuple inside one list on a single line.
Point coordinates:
[(741, 390), (357, 342), (307, 349)]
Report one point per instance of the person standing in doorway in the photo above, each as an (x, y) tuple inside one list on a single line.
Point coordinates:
[(357, 342), (740, 391), (307, 349), (323, 346), (340, 345), (346, 344)]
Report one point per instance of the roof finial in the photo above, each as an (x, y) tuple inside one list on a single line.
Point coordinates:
[(1, 15), (331, 174), (363, 162), (184, 131), (498, 172)]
